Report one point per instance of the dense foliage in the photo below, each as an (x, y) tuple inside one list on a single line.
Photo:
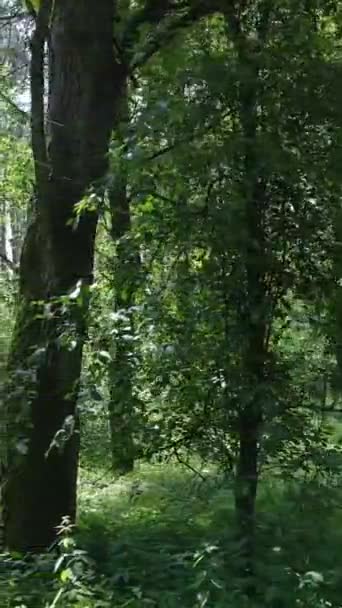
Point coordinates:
[(210, 392)]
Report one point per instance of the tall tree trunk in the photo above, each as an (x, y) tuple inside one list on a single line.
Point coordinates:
[(255, 317), (85, 86), (121, 404)]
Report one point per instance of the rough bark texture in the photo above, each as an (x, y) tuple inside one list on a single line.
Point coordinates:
[(85, 86)]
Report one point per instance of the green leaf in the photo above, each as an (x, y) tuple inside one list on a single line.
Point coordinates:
[(66, 575)]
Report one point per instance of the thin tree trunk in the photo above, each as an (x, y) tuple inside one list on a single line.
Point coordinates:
[(2, 236), (121, 404), (6, 240), (9, 236), (39, 480), (336, 304), (246, 482), (254, 320)]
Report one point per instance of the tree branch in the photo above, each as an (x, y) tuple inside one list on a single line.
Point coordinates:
[(24, 115), (153, 12), (8, 262), (19, 15), (167, 17)]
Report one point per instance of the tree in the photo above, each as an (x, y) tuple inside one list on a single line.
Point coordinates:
[(235, 229), (124, 283), (57, 258), (87, 73)]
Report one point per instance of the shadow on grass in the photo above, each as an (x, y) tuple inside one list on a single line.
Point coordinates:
[(149, 529), (146, 530)]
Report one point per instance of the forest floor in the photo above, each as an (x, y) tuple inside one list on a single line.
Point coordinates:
[(163, 538), (168, 536)]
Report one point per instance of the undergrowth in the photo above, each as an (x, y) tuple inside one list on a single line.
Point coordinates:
[(163, 538)]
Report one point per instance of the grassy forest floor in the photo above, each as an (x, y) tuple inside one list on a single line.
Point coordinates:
[(163, 538)]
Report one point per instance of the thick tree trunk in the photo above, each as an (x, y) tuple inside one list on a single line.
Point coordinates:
[(121, 404), (56, 268)]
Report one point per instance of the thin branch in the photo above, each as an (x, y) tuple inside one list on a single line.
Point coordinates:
[(8, 262), (24, 115), (192, 137), (189, 466), (14, 16), (165, 150), (331, 410), (152, 13), (155, 194)]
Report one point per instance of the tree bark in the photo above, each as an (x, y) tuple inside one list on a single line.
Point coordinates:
[(85, 86)]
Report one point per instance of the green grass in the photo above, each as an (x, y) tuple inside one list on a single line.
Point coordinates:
[(146, 529), (161, 538), (149, 540)]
